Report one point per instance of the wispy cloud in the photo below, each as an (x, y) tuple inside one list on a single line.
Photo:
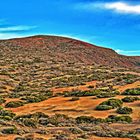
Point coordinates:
[(131, 52), (7, 32), (17, 28), (121, 7), (9, 35)]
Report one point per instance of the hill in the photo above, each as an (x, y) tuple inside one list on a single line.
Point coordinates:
[(54, 48), (56, 88)]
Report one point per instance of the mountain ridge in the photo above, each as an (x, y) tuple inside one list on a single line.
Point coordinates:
[(71, 50)]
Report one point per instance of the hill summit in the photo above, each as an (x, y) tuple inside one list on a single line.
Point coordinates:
[(55, 48)]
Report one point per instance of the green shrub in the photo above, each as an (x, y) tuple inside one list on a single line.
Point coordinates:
[(79, 93), (106, 93), (124, 110), (9, 130), (29, 122), (134, 91), (34, 115), (14, 104), (35, 98), (130, 99), (31, 99), (2, 100), (114, 103), (103, 107), (114, 118), (1, 107), (85, 119), (6, 113), (75, 130), (57, 119), (19, 88), (6, 118)]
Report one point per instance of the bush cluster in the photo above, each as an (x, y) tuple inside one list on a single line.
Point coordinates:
[(6, 114), (9, 130), (134, 91), (103, 107), (111, 118), (115, 118), (124, 110), (37, 97), (130, 99), (109, 104), (106, 93), (14, 104), (79, 93)]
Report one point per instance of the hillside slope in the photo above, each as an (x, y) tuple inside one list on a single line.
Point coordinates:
[(54, 48)]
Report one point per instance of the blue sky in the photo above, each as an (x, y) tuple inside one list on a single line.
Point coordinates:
[(110, 23)]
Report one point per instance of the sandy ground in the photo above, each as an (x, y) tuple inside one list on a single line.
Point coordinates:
[(107, 138), (83, 106), (128, 86), (81, 87)]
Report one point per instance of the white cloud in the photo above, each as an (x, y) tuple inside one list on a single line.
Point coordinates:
[(121, 7), (131, 52), (12, 35), (17, 28), (11, 31)]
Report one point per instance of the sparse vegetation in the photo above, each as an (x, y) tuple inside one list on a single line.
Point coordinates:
[(79, 93), (130, 99), (109, 104), (124, 110), (9, 130), (135, 91), (44, 92), (14, 104), (104, 107)]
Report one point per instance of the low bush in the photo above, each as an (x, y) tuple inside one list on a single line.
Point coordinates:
[(9, 130), (6, 114), (14, 104), (124, 110), (130, 99), (37, 97), (109, 104), (103, 107), (79, 93), (134, 91), (114, 118), (75, 130), (2, 100), (31, 99), (57, 119), (30, 122), (107, 93), (85, 119)]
